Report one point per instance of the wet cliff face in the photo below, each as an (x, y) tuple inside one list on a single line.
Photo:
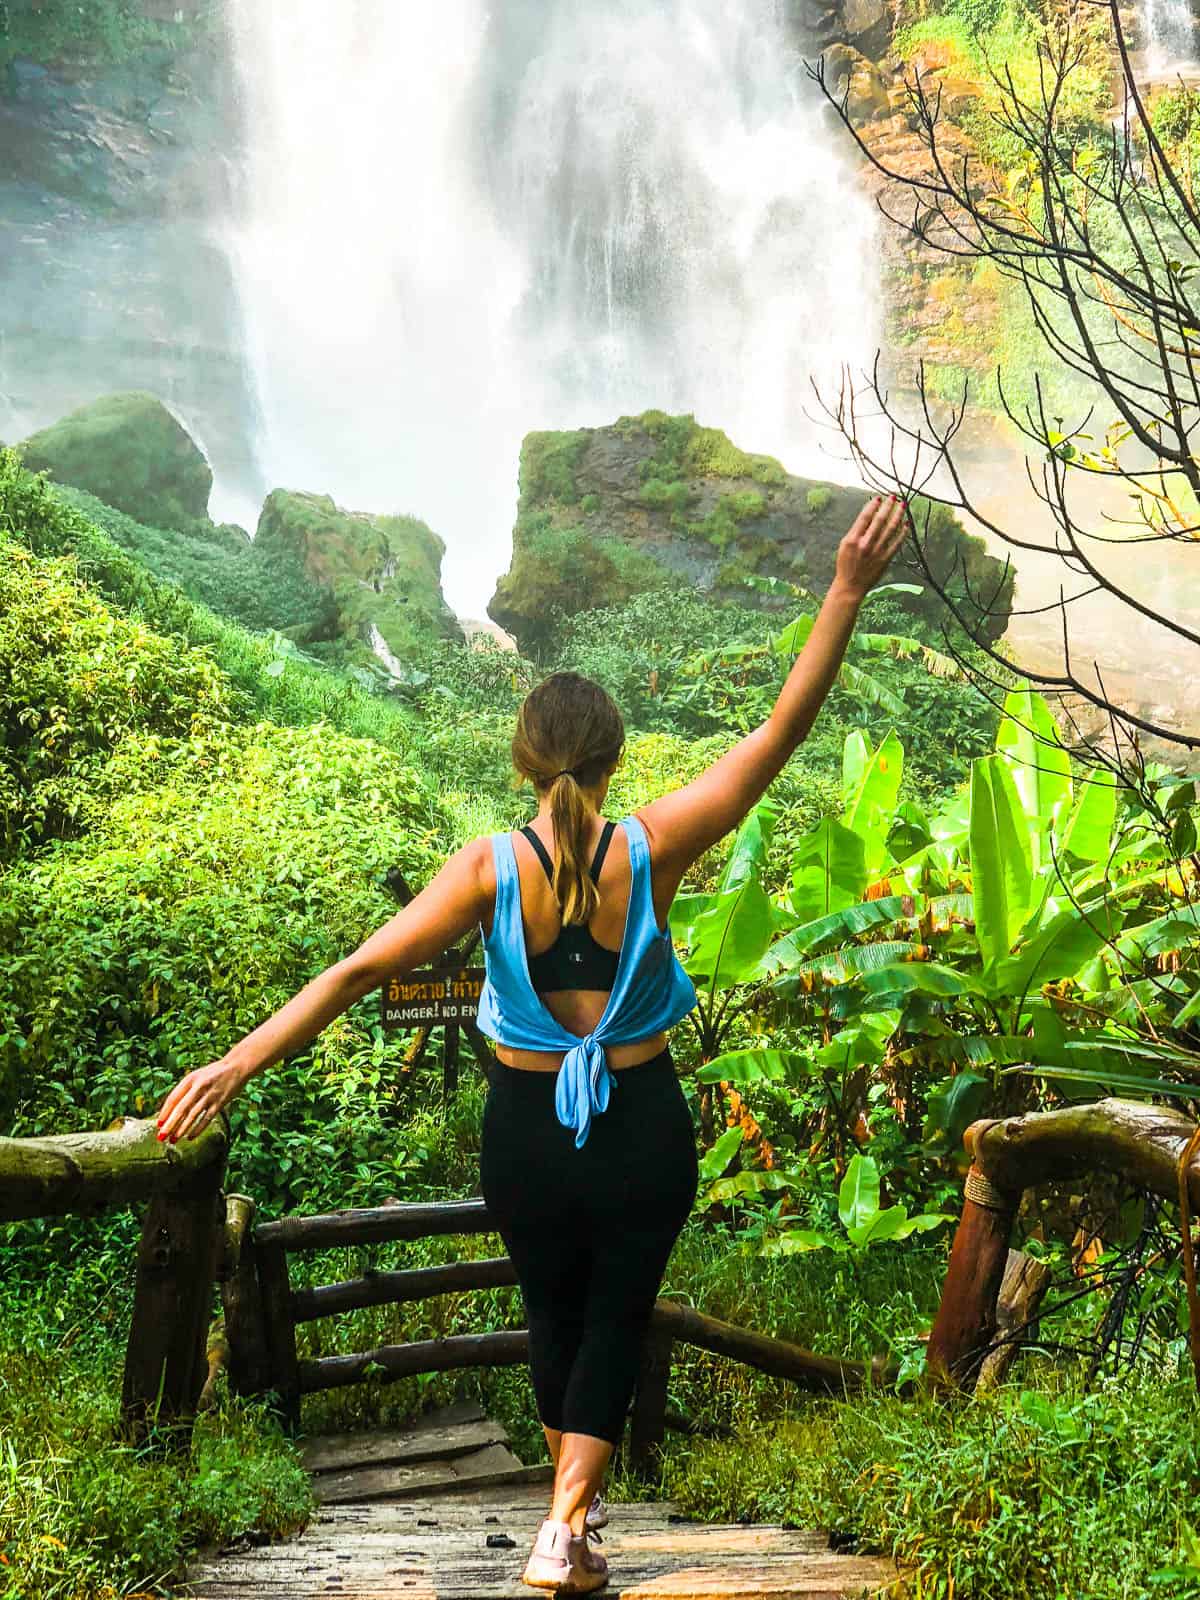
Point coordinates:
[(114, 168)]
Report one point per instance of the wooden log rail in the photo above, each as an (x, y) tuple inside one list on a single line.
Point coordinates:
[(262, 1312), (1142, 1143), (180, 1252)]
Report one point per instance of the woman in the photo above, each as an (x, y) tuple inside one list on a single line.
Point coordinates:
[(588, 1158)]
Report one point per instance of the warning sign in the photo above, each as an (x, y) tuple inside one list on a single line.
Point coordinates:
[(424, 999)]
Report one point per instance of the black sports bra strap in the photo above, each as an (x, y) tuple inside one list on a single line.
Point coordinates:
[(601, 851), (542, 854)]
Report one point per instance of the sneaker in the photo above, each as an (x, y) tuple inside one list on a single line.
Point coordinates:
[(597, 1515), (562, 1562)]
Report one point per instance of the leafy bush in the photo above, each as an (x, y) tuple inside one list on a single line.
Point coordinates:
[(75, 679), (221, 873)]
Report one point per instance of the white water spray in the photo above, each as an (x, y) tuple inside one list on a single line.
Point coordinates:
[(461, 224), (1170, 31)]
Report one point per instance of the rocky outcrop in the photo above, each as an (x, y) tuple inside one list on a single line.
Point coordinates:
[(382, 574), (657, 500), (116, 155), (129, 451)]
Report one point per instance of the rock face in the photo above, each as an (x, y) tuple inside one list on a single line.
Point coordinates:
[(129, 451), (116, 125), (382, 574), (656, 500)]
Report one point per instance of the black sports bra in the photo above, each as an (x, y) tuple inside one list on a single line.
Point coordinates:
[(574, 960)]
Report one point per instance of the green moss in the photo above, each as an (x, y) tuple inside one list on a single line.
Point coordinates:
[(721, 527), (129, 451), (589, 504), (548, 462), (659, 496), (685, 449), (94, 31), (382, 571), (818, 499)]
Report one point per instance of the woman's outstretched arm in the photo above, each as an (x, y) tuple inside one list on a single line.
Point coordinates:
[(682, 825), (452, 903)]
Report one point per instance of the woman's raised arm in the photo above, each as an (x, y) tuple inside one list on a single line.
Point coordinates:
[(458, 897), (682, 825)]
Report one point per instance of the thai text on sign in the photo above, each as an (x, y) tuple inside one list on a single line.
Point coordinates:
[(424, 999)]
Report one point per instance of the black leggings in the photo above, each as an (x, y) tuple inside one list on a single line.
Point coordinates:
[(589, 1231)]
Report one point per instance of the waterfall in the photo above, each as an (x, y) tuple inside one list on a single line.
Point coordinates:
[(461, 223), (1170, 35)]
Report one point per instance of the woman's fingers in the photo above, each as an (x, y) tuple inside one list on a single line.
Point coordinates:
[(190, 1106)]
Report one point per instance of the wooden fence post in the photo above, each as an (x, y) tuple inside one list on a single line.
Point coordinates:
[(280, 1330), (177, 1263), (241, 1297), (648, 1423), (966, 1320)]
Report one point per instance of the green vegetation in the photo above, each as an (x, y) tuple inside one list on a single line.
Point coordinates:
[(685, 449), (200, 817), (1071, 1492), (95, 31), (129, 451)]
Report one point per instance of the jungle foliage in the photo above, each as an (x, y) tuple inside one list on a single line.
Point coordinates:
[(198, 818)]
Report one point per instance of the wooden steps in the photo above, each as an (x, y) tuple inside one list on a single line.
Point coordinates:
[(407, 1515), (449, 1451)]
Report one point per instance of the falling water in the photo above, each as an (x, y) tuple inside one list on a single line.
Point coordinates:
[(1170, 33), (460, 223)]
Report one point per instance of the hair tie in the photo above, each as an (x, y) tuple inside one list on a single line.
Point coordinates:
[(567, 772)]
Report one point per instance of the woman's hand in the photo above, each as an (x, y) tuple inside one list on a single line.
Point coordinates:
[(195, 1100), (876, 534)]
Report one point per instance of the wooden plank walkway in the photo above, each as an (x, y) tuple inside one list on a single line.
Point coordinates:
[(445, 1511)]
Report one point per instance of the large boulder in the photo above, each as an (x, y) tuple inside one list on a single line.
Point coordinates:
[(605, 513), (382, 574), (129, 451)]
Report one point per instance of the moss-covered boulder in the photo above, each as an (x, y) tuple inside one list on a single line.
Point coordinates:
[(605, 513), (382, 575), (129, 451)]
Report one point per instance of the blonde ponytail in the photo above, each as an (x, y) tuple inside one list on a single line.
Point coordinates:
[(574, 890), (569, 735)]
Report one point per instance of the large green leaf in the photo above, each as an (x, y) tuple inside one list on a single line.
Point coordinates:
[(1063, 945), (870, 690), (730, 938), (839, 926), (829, 870), (1089, 830), (858, 1196), (750, 846), (872, 805), (754, 1066), (1001, 863), (1041, 767), (714, 1161), (856, 756), (744, 1183), (862, 1044), (898, 979), (794, 637), (952, 1106)]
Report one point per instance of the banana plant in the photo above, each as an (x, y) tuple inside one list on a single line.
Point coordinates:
[(865, 1222)]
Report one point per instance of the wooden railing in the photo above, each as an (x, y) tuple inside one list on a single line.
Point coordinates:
[(179, 1254), (1152, 1146), (194, 1236), (262, 1312)]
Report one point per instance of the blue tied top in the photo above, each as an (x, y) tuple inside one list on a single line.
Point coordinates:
[(651, 991)]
